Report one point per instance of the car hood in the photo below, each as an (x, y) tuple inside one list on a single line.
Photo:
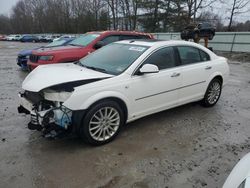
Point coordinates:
[(57, 49), (26, 52), (46, 76)]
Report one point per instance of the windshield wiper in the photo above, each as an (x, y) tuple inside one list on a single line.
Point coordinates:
[(77, 62), (95, 68), (74, 45)]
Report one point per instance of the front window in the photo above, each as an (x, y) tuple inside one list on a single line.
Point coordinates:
[(84, 40), (114, 58)]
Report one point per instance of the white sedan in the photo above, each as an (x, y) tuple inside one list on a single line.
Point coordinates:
[(240, 175), (120, 83)]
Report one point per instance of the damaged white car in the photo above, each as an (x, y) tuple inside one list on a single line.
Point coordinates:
[(120, 83)]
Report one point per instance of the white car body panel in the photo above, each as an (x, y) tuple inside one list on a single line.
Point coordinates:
[(240, 172), (144, 99), (144, 94)]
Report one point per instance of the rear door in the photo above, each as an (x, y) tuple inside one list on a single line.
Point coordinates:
[(196, 69)]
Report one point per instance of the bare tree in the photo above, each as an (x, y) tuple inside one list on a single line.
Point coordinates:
[(238, 7), (96, 6), (194, 5), (112, 4)]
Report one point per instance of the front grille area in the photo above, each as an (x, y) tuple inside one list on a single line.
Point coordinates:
[(21, 57), (34, 58)]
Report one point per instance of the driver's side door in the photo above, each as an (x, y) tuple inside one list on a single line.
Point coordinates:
[(153, 92)]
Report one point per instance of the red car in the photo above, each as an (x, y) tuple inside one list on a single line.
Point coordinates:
[(2, 37), (80, 47)]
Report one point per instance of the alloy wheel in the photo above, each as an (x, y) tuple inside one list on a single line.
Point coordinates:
[(104, 123), (214, 92)]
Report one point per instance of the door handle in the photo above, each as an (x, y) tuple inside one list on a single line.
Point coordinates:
[(176, 74), (208, 67)]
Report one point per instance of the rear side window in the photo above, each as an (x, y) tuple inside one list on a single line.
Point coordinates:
[(128, 37), (204, 56), (189, 55), (143, 37), (110, 39), (163, 58)]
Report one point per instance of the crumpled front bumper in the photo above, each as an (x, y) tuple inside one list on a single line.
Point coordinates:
[(51, 118)]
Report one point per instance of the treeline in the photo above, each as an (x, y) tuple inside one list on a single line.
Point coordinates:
[(80, 16)]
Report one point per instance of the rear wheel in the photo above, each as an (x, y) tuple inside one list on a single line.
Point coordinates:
[(213, 93), (102, 123)]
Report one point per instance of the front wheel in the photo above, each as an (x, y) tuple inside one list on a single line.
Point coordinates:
[(102, 123), (213, 93)]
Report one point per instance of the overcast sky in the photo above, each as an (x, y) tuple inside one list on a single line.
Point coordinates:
[(6, 5), (220, 9)]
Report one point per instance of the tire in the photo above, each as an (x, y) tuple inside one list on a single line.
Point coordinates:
[(213, 93), (102, 131)]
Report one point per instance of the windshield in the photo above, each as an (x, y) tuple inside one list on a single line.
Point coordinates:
[(84, 40), (56, 43), (114, 58)]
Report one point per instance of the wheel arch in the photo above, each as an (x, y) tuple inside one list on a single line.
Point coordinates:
[(219, 77), (76, 103), (216, 75), (121, 103), (213, 76)]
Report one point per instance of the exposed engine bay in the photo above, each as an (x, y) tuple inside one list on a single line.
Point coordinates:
[(50, 117)]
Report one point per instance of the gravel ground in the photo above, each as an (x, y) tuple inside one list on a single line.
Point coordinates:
[(189, 146)]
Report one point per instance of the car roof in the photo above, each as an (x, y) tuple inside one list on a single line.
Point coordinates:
[(119, 32), (156, 42)]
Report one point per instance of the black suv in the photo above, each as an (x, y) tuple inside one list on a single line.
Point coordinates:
[(195, 31)]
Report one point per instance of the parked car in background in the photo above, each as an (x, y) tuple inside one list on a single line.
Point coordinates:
[(80, 47), (120, 83), (10, 37), (240, 175), (23, 56), (17, 37), (42, 38), (195, 31), (2, 37), (64, 37), (29, 38), (50, 38)]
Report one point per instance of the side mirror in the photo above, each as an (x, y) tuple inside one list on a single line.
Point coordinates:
[(149, 68), (99, 44)]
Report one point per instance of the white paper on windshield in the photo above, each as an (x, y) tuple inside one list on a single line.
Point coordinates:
[(136, 48)]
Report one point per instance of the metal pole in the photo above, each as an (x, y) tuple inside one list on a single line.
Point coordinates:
[(195, 3), (233, 43)]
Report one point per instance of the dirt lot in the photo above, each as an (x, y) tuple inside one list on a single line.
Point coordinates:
[(189, 146)]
